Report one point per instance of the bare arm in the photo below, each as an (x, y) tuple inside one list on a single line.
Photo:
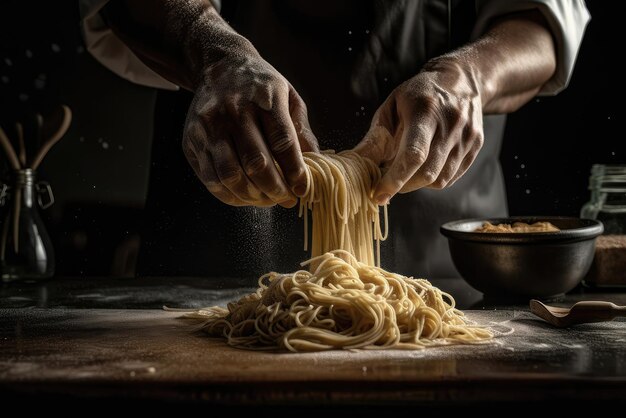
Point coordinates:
[(515, 59), (429, 130), (244, 116)]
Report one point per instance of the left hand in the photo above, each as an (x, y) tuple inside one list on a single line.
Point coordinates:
[(429, 130)]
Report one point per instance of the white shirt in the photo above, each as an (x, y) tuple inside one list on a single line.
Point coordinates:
[(567, 20)]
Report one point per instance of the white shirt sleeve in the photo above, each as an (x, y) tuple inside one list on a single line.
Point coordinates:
[(567, 19), (111, 52)]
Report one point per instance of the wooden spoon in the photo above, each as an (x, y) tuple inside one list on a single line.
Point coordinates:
[(580, 313)]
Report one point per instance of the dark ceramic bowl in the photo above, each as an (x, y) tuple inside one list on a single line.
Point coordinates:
[(543, 264)]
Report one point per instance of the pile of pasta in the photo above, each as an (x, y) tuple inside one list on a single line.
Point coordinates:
[(343, 299)]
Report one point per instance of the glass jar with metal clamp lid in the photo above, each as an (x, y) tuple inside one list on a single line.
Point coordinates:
[(26, 250), (608, 204), (608, 198)]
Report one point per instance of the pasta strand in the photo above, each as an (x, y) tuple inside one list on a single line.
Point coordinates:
[(345, 300)]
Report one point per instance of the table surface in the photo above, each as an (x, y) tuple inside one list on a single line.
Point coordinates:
[(105, 337)]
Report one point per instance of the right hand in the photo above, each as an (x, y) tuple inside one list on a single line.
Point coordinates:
[(245, 133)]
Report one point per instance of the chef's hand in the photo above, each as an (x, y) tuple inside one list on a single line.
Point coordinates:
[(429, 130), (244, 117), (247, 127)]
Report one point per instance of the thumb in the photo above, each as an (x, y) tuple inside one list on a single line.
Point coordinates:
[(300, 119)]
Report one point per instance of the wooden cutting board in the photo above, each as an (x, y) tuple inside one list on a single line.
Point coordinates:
[(95, 349)]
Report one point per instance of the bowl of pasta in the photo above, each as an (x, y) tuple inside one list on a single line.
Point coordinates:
[(523, 256)]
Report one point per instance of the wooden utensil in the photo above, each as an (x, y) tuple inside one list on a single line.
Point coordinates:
[(580, 313)]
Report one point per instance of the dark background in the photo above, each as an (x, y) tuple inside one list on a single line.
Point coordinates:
[(99, 171)]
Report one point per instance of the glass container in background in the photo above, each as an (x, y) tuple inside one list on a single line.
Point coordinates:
[(608, 198), (26, 250), (608, 204)]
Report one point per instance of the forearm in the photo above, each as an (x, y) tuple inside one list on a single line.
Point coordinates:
[(509, 64), (176, 38)]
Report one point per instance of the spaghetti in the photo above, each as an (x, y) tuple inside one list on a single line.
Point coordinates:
[(345, 300)]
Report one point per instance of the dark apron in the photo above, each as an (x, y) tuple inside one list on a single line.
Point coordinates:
[(343, 57)]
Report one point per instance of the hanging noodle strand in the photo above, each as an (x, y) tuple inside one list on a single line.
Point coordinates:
[(344, 300)]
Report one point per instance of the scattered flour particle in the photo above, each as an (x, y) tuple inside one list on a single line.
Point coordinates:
[(527, 191), (55, 48)]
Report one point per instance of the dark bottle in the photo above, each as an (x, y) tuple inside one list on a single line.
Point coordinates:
[(25, 248)]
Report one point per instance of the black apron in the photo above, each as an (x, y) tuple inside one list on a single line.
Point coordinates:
[(343, 57)]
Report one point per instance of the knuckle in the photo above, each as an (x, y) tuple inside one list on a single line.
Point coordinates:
[(479, 139), (426, 104), (280, 84), (255, 164), (280, 141), (229, 175), (430, 177), (276, 192), (214, 187), (415, 155), (298, 173), (439, 184), (456, 116), (203, 115)]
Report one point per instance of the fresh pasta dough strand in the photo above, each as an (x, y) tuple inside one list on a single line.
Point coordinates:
[(339, 197), (344, 300), (342, 304)]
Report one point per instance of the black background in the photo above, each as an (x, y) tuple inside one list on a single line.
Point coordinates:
[(99, 170)]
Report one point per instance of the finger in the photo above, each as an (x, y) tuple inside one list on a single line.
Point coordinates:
[(203, 166), (467, 162), (258, 163), (429, 171), (281, 137), (300, 118), (413, 150), (378, 141), (444, 157), (229, 171), (449, 169)]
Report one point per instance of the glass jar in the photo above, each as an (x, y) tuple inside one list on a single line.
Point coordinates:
[(25, 248), (608, 198)]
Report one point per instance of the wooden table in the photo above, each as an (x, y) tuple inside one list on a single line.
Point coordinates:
[(109, 338)]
